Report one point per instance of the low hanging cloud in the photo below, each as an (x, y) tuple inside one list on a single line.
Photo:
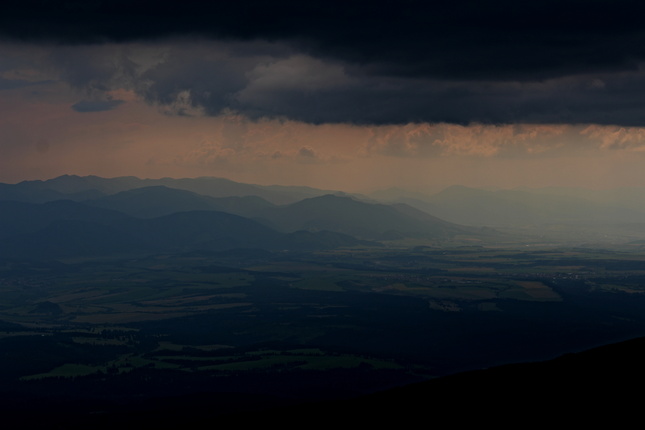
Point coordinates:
[(617, 138), (475, 140), (307, 155)]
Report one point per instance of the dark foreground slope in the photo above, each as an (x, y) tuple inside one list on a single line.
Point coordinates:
[(597, 386), (602, 384)]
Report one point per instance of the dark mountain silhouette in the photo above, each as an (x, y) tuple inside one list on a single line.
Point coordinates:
[(67, 229), (159, 200), (19, 218), (21, 193), (71, 185), (337, 212), (370, 221), (246, 206), (155, 201), (330, 212), (219, 187), (457, 204), (216, 187), (91, 187), (163, 219)]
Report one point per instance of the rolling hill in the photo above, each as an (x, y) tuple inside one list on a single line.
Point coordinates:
[(70, 229), (365, 220)]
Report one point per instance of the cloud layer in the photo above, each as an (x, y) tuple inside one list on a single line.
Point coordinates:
[(352, 62)]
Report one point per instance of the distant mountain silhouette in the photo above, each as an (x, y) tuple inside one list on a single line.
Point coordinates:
[(370, 221), (67, 229), (72, 185), (91, 187), (21, 193), (155, 201), (340, 214), (159, 200), (152, 198), (19, 218), (456, 204)]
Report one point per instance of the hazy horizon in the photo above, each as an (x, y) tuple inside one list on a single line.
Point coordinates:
[(367, 191)]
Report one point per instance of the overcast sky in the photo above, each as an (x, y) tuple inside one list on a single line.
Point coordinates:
[(344, 95)]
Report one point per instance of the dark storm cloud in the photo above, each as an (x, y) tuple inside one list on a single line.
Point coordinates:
[(12, 84), (267, 81), (360, 62), (204, 83), (379, 101), (456, 39)]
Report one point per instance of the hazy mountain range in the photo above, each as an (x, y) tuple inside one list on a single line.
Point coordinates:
[(93, 187), (72, 215), (528, 206), (559, 214)]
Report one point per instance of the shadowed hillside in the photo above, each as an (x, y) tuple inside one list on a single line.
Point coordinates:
[(591, 387), (68, 229)]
